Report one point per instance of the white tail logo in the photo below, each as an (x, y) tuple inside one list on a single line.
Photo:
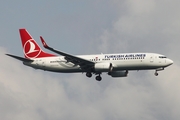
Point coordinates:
[(31, 50)]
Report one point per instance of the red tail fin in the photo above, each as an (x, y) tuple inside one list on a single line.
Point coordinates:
[(30, 47)]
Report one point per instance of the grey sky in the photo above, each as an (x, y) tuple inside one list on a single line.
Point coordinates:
[(88, 27)]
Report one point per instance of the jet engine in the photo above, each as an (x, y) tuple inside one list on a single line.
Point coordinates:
[(103, 67), (118, 73)]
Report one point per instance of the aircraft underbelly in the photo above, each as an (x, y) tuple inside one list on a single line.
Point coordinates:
[(56, 68), (70, 68), (134, 66), (64, 70)]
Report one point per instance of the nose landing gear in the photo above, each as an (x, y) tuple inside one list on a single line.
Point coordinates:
[(156, 73), (159, 69)]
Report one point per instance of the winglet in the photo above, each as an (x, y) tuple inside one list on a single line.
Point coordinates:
[(43, 42)]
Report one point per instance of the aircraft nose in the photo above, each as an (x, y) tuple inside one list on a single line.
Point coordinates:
[(169, 62)]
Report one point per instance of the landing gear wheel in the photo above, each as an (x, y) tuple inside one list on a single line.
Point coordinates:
[(156, 74), (88, 74), (98, 78)]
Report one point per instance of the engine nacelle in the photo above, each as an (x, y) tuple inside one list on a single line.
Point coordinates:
[(103, 67), (118, 73)]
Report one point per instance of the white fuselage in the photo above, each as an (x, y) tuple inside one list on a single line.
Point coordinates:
[(123, 61)]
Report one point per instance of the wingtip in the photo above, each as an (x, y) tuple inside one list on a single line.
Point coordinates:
[(43, 42), (7, 54)]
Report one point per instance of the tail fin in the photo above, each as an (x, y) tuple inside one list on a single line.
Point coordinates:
[(30, 47)]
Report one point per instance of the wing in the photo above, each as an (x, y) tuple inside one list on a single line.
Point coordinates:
[(83, 63)]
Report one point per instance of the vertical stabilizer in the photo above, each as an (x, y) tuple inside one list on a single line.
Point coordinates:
[(30, 48)]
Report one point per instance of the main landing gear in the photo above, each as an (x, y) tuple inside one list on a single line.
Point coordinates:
[(98, 77), (89, 74)]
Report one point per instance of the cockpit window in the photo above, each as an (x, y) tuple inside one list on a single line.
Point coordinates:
[(162, 57)]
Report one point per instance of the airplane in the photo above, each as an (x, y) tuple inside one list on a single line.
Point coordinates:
[(115, 65)]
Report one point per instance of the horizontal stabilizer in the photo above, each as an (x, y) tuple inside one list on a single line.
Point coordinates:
[(20, 58)]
